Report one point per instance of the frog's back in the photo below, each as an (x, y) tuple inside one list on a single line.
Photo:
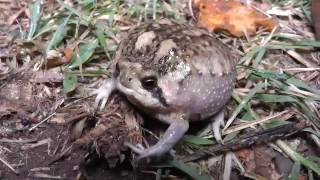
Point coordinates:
[(150, 43)]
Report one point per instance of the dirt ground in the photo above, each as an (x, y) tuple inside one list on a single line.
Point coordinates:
[(47, 151)]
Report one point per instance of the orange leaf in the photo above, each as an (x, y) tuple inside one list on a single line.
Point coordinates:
[(68, 53), (57, 58), (232, 16)]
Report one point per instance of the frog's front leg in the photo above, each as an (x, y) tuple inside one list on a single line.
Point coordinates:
[(173, 134), (104, 92)]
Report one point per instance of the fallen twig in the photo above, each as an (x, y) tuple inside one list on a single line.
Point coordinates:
[(247, 140), (35, 145), (9, 166), (5, 140), (47, 118)]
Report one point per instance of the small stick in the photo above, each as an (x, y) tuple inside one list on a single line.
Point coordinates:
[(284, 115), (5, 140), (47, 118), (41, 122), (9, 166), (247, 140), (301, 59)]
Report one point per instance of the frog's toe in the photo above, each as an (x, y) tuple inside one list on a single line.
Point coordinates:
[(137, 149), (103, 94), (101, 98)]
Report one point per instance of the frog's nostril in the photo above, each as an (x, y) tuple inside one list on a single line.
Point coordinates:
[(130, 78)]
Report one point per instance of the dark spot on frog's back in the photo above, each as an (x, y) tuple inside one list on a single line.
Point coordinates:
[(157, 44), (164, 59), (139, 53), (148, 48)]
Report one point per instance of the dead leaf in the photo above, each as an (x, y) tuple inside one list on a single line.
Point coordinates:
[(232, 16), (57, 58), (263, 157), (68, 53), (247, 156)]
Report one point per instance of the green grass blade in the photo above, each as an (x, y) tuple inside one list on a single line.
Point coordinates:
[(195, 140), (249, 55), (243, 103), (300, 84), (35, 17), (303, 44), (308, 43), (262, 51), (231, 136), (70, 82), (295, 171), (268, 74), (273, 98), (306, 14), (59, 35), (44, 29), (298, 158), (274, 123), (74, 11), (310, 175), (85, 52), (154, 9), (310, 114), (102, 41)]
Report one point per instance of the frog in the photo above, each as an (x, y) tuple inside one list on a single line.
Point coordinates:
[(173, 72)]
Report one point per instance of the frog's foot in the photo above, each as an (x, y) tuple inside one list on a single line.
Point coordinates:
[(103, 93), (172, 135), (217, 122)]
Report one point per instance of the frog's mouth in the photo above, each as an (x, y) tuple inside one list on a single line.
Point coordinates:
[(149, 99)]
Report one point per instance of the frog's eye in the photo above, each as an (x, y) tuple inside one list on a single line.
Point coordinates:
[(149, 82)]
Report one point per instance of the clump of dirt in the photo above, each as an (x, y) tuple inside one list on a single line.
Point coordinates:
[(117, 123)]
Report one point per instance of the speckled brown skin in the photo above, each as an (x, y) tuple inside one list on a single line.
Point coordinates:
[(315, 13), (192, 72)]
